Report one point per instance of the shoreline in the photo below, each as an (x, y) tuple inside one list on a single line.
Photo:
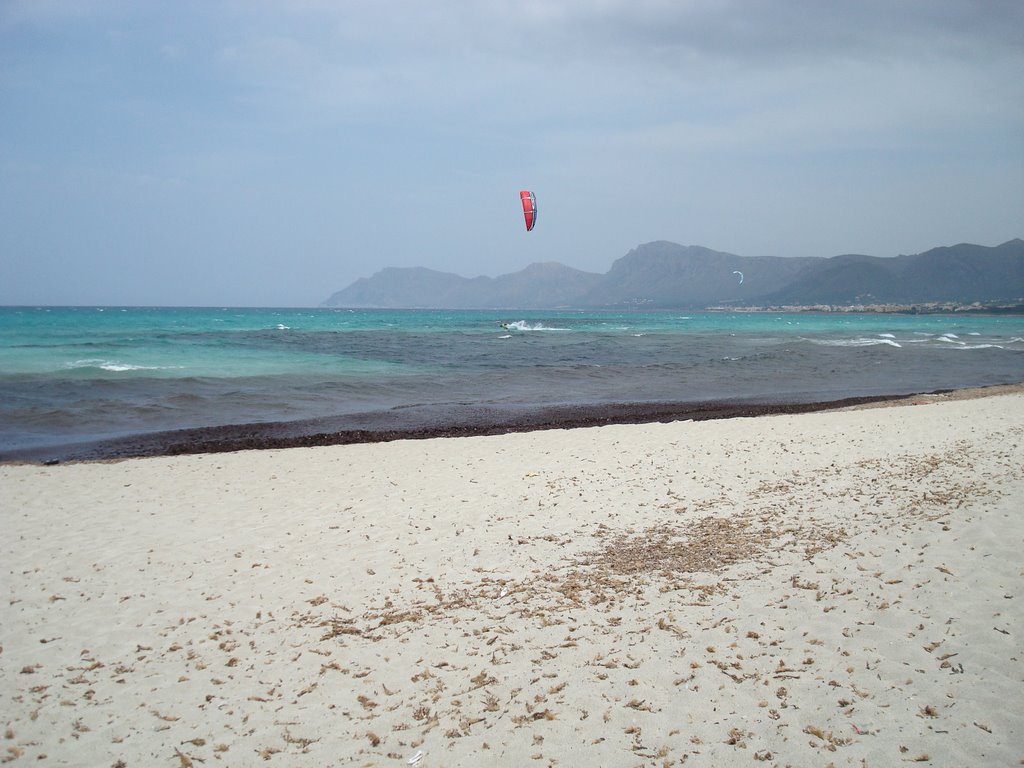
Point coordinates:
[(466, 422)]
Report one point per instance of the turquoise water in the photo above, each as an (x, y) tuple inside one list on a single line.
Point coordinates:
[(85, 373), (179, 342)]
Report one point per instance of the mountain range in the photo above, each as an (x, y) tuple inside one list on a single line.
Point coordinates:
[(667, 275)]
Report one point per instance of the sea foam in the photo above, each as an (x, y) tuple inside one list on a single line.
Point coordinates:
[(118, 367)]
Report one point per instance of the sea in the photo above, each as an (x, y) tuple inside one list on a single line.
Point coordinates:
[(78, 376)]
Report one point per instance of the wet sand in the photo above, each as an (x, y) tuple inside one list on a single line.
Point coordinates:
[(842, 587)]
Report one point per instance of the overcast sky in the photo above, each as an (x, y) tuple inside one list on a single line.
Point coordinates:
[(269, 153)]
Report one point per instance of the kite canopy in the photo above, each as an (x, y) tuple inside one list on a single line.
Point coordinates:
[(529, 208)]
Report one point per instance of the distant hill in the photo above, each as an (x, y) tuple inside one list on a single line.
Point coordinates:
[(663, 274), (667, 275), (960, 273), (541, 286)]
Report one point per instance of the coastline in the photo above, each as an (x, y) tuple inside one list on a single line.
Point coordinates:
[(841, 586), (465, 422)]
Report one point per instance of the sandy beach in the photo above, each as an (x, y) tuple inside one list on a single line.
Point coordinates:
[(842, 587)]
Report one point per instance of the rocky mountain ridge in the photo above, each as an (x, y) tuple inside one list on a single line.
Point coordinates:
[(665, 275)]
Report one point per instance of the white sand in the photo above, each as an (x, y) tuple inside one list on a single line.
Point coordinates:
[(840, 587)]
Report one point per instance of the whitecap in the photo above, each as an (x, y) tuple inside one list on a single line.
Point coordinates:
[(861, 342), (121, 367), (115, 366), (522, 325)]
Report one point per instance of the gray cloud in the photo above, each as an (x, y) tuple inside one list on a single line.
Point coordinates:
[(233, 136)]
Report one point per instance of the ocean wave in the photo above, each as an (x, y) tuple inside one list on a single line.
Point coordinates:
[(962, 345), (945, 341), (117, 367), (860, 342), (522, 325)]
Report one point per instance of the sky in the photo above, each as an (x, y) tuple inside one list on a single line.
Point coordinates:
[(271, 152)]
